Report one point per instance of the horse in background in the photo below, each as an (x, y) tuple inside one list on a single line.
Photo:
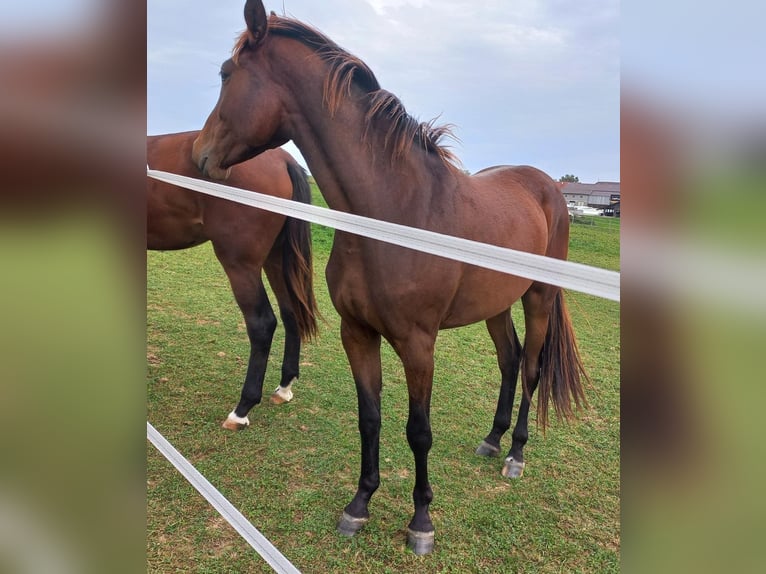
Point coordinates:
[(245, 240)]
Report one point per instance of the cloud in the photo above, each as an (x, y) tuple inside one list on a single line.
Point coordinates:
[(381, 7), (518, 72)]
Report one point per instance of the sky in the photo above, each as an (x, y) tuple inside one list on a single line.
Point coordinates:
[(523, 82)]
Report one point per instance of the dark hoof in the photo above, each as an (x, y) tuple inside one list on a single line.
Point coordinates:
[(513, 468), (420, 542), (348, 525), (486, 449)]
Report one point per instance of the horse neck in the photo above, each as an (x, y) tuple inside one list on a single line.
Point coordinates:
[(349, 161)]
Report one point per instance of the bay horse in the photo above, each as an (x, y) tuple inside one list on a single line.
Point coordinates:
[(287, 81), (245, 241)]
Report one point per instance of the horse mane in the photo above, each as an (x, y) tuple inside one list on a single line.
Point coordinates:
[(345, 71)]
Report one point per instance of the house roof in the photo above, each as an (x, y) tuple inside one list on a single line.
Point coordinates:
[(603, 187)]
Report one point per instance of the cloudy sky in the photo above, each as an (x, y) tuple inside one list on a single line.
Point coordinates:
[(524, 81)]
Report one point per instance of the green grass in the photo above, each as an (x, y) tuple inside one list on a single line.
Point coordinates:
[(612, 223), (292, 472)]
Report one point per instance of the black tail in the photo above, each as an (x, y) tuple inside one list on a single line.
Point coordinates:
[(297, 260)]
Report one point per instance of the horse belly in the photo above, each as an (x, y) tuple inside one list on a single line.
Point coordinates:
[(483, 294), (388, 287)]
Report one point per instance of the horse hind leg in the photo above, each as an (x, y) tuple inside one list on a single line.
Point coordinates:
[(537, 303), (290, 359), (260, 322), (551, 364), (506, 341), (291, 355)]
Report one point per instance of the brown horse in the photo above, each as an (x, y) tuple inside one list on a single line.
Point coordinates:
[(287, 81), (245, 240)]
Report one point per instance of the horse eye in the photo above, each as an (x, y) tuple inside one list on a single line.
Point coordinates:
[(224, 76)]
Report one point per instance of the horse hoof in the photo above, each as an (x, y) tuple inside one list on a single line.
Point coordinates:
[(420, 542), (282, 394), (349, 525), (513, 468), (486, 449), (233, 422)]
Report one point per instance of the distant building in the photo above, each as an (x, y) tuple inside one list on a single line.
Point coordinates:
[(601, 195)]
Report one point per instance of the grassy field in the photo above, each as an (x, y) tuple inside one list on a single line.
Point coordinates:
[(612, 223), (292, 472)]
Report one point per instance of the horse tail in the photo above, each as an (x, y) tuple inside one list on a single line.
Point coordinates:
[(561, 368), (297, 259)]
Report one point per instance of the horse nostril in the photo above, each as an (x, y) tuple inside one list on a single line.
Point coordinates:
[(202, 163)]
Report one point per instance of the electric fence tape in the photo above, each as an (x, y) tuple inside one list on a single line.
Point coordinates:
[(567, 274)]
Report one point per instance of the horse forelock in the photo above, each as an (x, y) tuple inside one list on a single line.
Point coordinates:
[(345, 71)]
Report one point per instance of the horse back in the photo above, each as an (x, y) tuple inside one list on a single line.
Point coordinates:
[(178, 218), (521, 185)]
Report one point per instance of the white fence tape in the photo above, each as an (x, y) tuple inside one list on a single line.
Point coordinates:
[(233, 516), (592, 280)]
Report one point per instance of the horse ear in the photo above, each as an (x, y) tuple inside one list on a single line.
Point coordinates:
[(255, 18)]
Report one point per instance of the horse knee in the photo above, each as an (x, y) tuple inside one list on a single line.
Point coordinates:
[(419, 435), (370, 423)]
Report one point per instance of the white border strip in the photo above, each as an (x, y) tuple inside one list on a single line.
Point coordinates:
[(233, 516), (592, 280)]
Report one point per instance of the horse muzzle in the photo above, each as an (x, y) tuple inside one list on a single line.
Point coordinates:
[(207, 166)]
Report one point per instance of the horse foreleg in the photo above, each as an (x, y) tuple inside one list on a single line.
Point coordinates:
[(417, 354), (362, 347), (420, 531), (508, 348)]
